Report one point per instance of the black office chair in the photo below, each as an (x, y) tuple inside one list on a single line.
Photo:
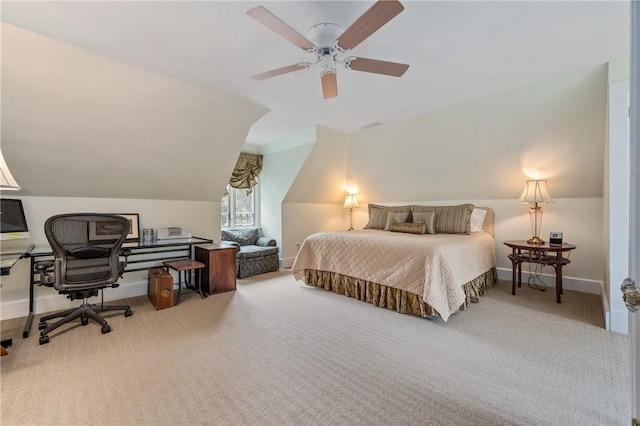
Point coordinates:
[(87, 250)]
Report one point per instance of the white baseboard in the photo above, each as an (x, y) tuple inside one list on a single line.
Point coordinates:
[(287, 263), (568, 283), (620, 321), (605, 307), (55, 301)]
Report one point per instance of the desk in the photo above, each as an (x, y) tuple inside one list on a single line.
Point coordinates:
[(8, 258), (144, 255), (537, 253)]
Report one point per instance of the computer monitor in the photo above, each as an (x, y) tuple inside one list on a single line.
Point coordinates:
[(13, 224)]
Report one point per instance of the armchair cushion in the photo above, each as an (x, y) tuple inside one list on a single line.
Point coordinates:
[(266, 242), (249, 252), (244, 237), (232, 244)]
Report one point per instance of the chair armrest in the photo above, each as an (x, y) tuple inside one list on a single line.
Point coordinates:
[(122, 265), (43, 265), (266, 242), (231, 243), (44, 269)]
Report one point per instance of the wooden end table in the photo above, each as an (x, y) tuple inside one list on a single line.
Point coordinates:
[(538, 253)]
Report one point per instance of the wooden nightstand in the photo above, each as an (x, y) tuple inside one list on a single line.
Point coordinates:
[(538, 253)]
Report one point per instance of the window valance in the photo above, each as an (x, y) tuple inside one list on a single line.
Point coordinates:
[(245, 174)]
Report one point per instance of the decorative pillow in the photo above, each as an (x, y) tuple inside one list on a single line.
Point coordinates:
[(395, 217), (449, 219), (244, 237), (477, 219), (378, 215), (428, 218), (409, 228)]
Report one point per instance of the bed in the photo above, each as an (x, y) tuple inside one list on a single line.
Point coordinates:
[(430, 274)]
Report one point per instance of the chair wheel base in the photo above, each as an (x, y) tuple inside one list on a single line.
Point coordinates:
[(42, 325), (128, 313), (105, 329), (44, 339), (84, 321)]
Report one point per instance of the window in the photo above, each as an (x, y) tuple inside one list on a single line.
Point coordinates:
[(239, 209)]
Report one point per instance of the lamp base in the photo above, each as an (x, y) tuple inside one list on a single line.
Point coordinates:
[(535, 241), (350, 220)]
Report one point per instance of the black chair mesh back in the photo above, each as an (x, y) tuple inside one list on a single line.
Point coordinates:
[(86, 248)]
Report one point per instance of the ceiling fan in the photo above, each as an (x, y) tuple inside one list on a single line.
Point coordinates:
[(329, 43)]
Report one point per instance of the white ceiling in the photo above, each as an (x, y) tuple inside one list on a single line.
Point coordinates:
[(457, 50)]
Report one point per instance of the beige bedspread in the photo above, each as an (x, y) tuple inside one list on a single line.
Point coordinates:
[(435, 266)]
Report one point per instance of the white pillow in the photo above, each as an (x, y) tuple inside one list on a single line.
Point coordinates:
[(395, 217), (477, 219)]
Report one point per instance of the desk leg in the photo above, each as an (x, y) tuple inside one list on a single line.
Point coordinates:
[(27, 324)]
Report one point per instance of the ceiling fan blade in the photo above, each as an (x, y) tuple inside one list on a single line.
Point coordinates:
[(393, 69), (271, 21), (379, 14), (329, 85), (279, 71)]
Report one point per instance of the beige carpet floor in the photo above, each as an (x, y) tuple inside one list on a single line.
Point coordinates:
[(276, 352)]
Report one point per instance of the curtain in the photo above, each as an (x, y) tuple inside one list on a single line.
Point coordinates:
[(245, 174)]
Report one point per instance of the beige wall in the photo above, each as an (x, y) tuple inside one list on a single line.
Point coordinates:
[(322, 177), (78, 124), (314, 200), (486, 148)]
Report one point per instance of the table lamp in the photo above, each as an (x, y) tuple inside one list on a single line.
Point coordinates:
[(351, 202), (535, 192), (6, 178)]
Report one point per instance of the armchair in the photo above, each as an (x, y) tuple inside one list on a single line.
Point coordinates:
[(87, 248), (254, 254)]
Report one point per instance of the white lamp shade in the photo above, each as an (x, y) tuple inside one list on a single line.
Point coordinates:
[(535, 191), (351, 202), (6, 178)]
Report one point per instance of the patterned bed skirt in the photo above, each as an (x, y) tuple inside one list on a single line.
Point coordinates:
[(393, 298)]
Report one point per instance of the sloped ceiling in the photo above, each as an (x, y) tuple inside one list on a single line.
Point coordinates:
[(457, 50), (77, 124)]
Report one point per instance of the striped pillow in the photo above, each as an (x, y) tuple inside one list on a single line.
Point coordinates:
[(378, 215), (449, 219)]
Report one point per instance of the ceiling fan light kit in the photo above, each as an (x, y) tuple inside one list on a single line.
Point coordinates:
[(328, 43)]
